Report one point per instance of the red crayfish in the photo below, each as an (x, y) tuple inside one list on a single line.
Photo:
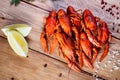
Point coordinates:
[(79, 37)]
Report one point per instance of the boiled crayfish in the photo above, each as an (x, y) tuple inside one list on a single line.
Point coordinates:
[(79, 37)]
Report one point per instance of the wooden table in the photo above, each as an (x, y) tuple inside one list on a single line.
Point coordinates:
[(41, 66)]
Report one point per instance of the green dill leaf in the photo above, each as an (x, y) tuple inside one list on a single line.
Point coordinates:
[(15, 2)]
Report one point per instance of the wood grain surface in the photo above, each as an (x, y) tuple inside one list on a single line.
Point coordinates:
[(35, 67), (32, 68)]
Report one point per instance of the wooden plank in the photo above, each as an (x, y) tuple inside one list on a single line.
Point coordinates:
[(93, 5), (35, 19), (35, 67), (26, 14)]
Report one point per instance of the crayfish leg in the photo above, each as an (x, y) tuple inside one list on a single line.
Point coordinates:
[(95, 54), (71, 64), (43, 41), (76, 35), (104, 54), (87, 61), (74, 67), (110, 37), (80, 58)]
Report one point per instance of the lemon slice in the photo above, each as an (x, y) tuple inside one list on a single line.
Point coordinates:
[(22, 28), (17, 43)]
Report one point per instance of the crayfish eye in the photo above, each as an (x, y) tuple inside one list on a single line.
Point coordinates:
[(81, 18), (45, 36), (55, 31)]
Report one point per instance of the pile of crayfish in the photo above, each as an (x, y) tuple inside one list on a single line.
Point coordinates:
[(79, 36)]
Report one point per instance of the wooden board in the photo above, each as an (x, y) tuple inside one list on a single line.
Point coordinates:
[(36, 67), (34, 16)]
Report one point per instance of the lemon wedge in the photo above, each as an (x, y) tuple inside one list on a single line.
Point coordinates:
[(22, 28), (17, 42)]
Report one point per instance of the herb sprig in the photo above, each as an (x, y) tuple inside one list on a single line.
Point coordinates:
[(16, 2)]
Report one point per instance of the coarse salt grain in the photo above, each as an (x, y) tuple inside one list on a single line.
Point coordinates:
[(113, 56), (97, 65), (118, 61), (111, 69), (99, 62), (109, 53), (114, 61), (115, 67), (96, 71), (102, 68), (97, 79), (116, 54), (109, 61), (105, 65), (94, 75)]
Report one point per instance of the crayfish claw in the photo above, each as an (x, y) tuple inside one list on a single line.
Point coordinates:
[(93, 39), (64, 22), (87, 61), (106, 49), (53, 44), (89, 20), (86, 45), (43, 41)]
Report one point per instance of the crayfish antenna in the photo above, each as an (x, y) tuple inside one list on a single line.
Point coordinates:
[(110, 37)]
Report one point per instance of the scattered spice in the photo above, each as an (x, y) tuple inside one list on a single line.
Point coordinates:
[(110, 9), (118, 30), (118, 24), (113, 28), (113, 23), (60, 75), (107, 10), (12, 78), (103, 7), (113, 6), (117, 18), (117, 7), (117, 13), (45, 65), (102, 1), (105, 3)]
